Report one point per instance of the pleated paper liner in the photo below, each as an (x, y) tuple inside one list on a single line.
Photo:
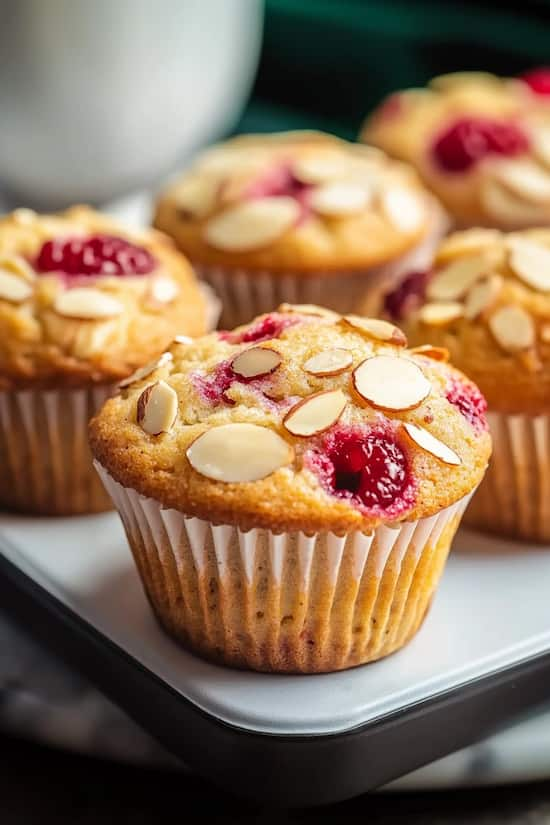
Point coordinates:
[(247, 293), (289, 602), (46, 462), (514, 497)]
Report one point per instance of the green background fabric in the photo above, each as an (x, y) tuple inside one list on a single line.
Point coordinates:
[(326, 63)]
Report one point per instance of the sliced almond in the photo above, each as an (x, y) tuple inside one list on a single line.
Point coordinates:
[(440, 314), (436, 353), (328, 362), (24, 217), (320, 167), (256, 361), (146, 370), (309, 309), (16, 265), (195, 197), (531, 262), (183, 339), (454, 281), (252, 224), (87, 303), (339, 199), (545, 333), (163, 290), (508, 210), (482, 296), (404, 208), (526, 179), (513, 328), (157, 408), (239, 453), (316, 413), (13, 288), (391, 383), (428, 442), (376, 329), (467, 242)]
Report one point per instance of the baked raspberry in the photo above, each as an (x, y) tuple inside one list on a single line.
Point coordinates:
[(279, 181), (470, 139), (538, 80), (366, 466), (407, 296), (270, 326), (96, 255), (470, 402), (213, 387)]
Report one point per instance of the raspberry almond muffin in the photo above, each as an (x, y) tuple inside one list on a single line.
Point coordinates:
[(83, 303), (481, 143), (487, 300), (290, 489), (298, 216)]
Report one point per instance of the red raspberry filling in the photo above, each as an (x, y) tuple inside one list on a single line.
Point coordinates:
[(366, 466), (407, 296), (270, 326), (213, 388), (95, 255), (538, 80), (470, 402), (280, 182), (470, 139)]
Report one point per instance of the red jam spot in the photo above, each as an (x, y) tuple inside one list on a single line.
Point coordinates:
[(280, 182), (213, 387), (538, 80), (270, 326), (470, 402), (366, 466), (407, 296), (95, 255), (470, 139)]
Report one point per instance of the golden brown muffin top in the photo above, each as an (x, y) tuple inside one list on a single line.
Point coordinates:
[(487, 300), (481, 143), (295, 201), (83, 299), (300, 420)]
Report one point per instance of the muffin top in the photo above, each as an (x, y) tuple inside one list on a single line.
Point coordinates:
[(84, 300), (487, 300), (300, 420), (295, 201), (480, 142)]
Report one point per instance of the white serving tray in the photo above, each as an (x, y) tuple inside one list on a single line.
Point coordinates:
[(490, 619)]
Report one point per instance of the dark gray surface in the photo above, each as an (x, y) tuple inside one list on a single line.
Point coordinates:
[(40, 786)]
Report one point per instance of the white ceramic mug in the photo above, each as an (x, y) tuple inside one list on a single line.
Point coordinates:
[(98, 97)]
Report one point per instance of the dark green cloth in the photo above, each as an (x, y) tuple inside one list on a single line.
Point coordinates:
[(325, 63)]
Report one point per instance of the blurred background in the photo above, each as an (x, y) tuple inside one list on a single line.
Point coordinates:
[(102, 98)]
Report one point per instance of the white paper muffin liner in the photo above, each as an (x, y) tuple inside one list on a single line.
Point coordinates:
[(44, 454), (290, 602), (514, 497), (247, 293)]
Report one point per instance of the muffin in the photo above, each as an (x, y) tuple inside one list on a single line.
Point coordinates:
[(480, 143), (290, 489), (298, 216), (83, 303), (487, 300)]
